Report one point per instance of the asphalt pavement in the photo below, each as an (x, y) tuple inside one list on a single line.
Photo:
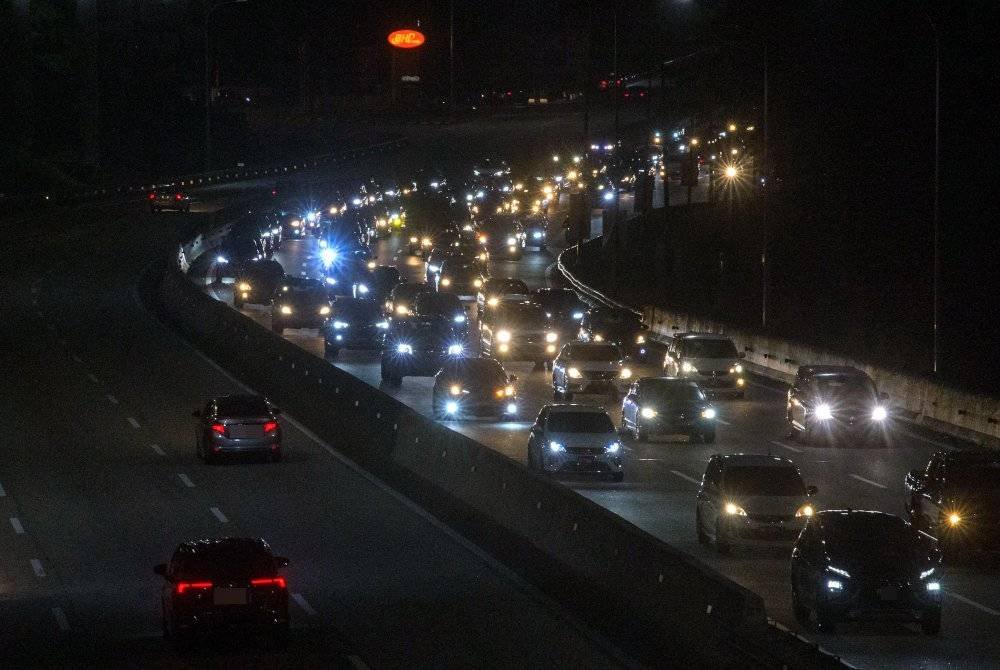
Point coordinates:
[(662, 477)]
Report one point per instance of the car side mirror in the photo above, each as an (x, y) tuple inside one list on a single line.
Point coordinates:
[(280, 561), (811, 490), (196, 413), (160, 569)]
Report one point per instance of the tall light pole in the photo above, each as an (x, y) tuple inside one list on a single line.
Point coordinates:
[(208, 77)]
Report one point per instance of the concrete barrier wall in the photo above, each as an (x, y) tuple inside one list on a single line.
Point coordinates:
[(689, 613)]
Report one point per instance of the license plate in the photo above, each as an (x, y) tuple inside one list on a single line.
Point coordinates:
[(586, 459), (229, 596), (888, 593)]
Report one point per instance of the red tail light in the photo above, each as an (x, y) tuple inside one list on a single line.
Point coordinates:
[(183, 587), (178, 196), (277, 582), (270, 426), (152, 196), (219, 428)]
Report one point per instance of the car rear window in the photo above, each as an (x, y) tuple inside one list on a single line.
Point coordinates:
[(241, 406), (223, 563), (580, 422)]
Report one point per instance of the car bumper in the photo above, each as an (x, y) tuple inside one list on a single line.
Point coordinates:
[(668, 426), (852, 431), (219, 619), (744, 531), (596, 385), (570, 463), (478, 407), (245, 445), (908, 605)]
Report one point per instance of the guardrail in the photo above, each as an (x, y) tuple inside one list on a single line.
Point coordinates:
[(589, 292), (629, 584)]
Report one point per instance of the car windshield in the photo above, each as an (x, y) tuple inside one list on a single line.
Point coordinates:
[(521, 315), (708, 348), (477, 371), (667, 392), (241, 406), (408, 291), (597, 352), (763, 480), (580, 422), (361, 310), (843, 384), (507, 286), (438, 304)]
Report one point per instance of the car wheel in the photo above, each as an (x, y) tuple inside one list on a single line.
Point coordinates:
[(930, 621), (618, 477), (721, 546), (699, 528), (708, 436)]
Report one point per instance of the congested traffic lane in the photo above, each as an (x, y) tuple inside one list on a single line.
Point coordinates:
[(658, 494)]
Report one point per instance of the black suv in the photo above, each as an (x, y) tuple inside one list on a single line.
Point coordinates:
[(616, 327), (417, 348), (562, 306), (832, 401), (446, 306), (256, 282), (218, 584), (299, 303), (855, 565), (956, 498), (354, 324)]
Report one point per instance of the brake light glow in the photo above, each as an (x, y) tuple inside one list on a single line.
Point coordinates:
[(278, 582), (152, 196), (270, 426), (183, 587), (219, 428), (178, 196)]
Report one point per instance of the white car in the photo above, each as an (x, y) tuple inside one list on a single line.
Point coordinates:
[(575, 439), (709, 359), (589, 367)]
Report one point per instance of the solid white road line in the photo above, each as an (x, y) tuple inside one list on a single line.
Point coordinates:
[(158, 450), (868, 481), (972, 603), (111, 399), (686, 477), (185, 480), (16, 523), (218, 514), (36, 566), (60, 618), (133, 422), (787, 446), (301, 601)]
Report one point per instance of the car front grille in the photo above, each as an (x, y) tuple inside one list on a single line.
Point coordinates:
[(585, 451), (600, 375)]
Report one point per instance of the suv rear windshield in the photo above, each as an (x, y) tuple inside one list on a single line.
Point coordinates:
[(241, 406), (598, 352), (580, 422), (521, 316), (697, 348), (843, 384), (763, 480)]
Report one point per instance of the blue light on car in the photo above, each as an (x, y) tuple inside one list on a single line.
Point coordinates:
[(221, 259), (451, 407), (609, 196), (362, 289), (340, 325), (537, 234), (577, 315), (455, 349), (556, 446), (331, 281), (459, 319), (328, 256), (511, 408), (382, 324), (404, 348), (614, 447)]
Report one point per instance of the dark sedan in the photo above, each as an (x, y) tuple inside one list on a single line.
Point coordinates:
[(299, 303), (857, 565), (256, 282), (355, 324), (238, 424), (228, 584), (470, 387), (668, 406), (831, 402)]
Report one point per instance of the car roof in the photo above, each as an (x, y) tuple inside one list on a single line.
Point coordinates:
[(754, 461), (701, 336), (573, 408), (817, 370)]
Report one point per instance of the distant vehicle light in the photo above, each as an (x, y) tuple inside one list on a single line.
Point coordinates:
[(459, 318), (556, 447), (362, 289), (511, 408), (285, 309), (404, 348), (879, 413), (455, 349), (503, 336), (648, 413), (708, 413), (823, 412)]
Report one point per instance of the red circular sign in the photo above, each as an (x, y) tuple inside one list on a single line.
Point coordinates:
[(406, 39)]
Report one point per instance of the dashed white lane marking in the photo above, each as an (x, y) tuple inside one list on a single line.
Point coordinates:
[(301, 601), (111, 399), (357, 663), (93, 378), (2, 491), (36, 566), (218, 514), (16, 523), (868, 481), (158, 450), (686, 477), (133, 422), (972, 603), (185, 480), (60, 617), (787, 446)]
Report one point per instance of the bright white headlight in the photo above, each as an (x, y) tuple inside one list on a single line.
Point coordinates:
[(823, 412), (555, 446), (503, 336), (879, 413), (648, 413), (687, 367), (551, 337), (708, 413), (574, 373), (455, 349)]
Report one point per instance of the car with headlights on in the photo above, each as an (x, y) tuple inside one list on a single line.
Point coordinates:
[(474, 387), (709, 359), (616, 327), (496, 289), (589, 367), (299, 303), (832, 402), (237, 425), (667, 406), (420, 244), (399, 304), (445, 306), (562, 306), (518, 331), (575, 439), (460, 275), (418, 348), (536, 231), (751, 500), (256, 282), (503, 237), (853, 565), (380, 281), (956, 498), (163, 198), (355, 323), (221, 585)]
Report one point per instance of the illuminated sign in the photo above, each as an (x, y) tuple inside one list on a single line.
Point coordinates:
[(406, 39)]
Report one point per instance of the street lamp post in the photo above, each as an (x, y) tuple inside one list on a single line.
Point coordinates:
[(208, 78)]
